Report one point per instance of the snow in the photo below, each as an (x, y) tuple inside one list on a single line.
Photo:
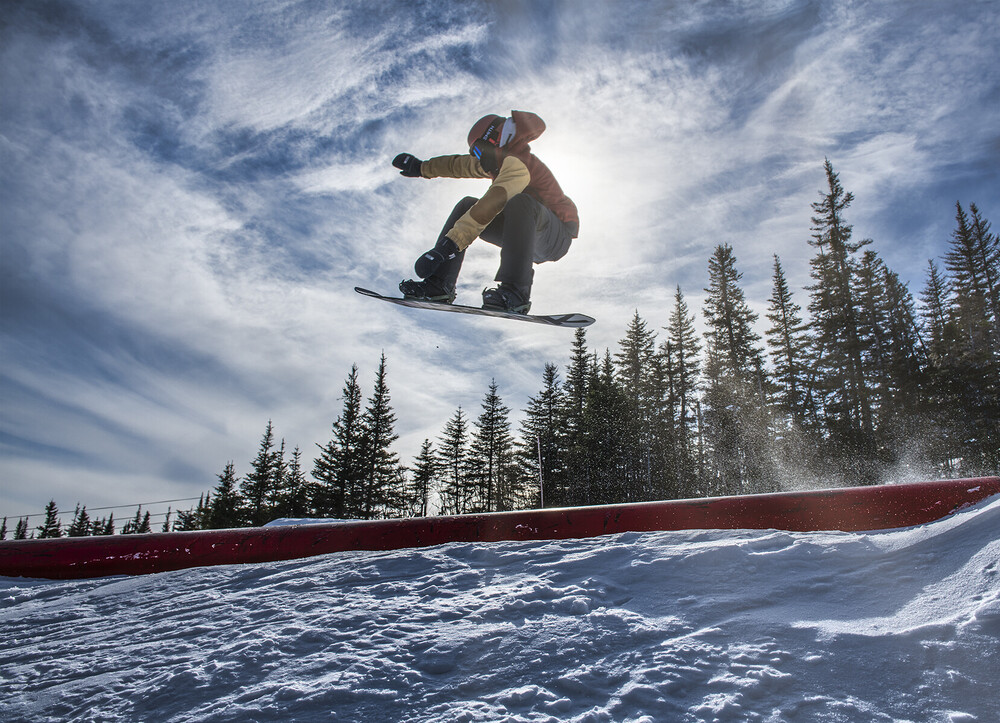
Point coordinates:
[(673, 626)]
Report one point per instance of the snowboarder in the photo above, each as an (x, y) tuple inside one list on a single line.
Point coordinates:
[(524, 212)]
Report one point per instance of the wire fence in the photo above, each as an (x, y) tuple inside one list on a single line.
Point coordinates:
[(90, 510)]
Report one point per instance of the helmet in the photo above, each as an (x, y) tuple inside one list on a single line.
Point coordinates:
[(489, 134), (488, 128)]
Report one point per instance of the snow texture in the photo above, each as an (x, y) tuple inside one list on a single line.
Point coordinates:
[(674, 626)]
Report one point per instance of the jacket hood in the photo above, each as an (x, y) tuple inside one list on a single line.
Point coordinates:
[(529, 127)]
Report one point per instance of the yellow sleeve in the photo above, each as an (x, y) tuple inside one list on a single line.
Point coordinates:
[(510, 181), (459, 166)]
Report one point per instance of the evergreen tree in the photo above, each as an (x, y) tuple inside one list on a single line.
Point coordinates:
[(737, 388), (491, 456), (973, 363), (3, 529), (196, 518), (258, 487), (987, 249), (904, 384), (338, 470), (453, 454), (788, 342), (51, 527), (294, 500), (425, 477), (382, 474), (637, 373), (680, 353), (166, 521), (21, 529), (104, 526), (81, 525), (973, 264), (541, 454), (873, 324), (139, 524), (838, 384), (939, 330), (227, 505), (576, 389), (940, 399), (609, 472)]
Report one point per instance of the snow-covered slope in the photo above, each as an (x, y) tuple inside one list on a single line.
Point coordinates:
[(664, 626)]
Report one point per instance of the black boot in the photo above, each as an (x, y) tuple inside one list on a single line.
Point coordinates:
[(428, 290), (506, 298)]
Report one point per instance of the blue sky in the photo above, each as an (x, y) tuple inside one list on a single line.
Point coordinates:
[(190, 191)]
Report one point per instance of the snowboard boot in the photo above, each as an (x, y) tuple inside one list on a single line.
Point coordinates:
[(428, 290), (506, 298)]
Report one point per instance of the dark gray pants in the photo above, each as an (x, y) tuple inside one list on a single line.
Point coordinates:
[(526, 232)]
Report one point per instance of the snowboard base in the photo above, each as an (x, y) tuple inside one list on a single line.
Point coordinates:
[(572, 321)]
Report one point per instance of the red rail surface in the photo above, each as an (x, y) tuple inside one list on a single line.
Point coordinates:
[(848, 509)]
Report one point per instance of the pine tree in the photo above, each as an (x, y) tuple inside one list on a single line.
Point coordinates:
[(491, 456), (338, 470), (425, 477), (166, 521), (21, 529), (453, 454), (730, 320), (788, 343), (81, 525), (294, 501), (973, 364), (838, 385), (576, 389), (139, 524), (382, 474), (540, 453), (905, 365), (196, 518), (737, 389), (3, 529), (972, 261), (940, 398), (987, 249), (637, 372), (940, 331), (51, 527), (680, 353), (258, 487), (227, 505), (104, 526), (609, 472), (873, 324)]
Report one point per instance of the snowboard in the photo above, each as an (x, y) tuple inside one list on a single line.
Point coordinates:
[(572, 321)]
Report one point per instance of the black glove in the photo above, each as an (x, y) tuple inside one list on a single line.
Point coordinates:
[(408, 165), (445, 250)]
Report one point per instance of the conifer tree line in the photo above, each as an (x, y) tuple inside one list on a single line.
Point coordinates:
[(848, 382)]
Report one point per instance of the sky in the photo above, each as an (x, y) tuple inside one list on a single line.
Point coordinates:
[(189, 193)]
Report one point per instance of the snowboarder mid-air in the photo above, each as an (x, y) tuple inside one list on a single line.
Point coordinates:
[(524, 212)]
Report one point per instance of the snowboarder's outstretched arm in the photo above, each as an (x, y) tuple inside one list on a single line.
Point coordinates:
[(512, 178)]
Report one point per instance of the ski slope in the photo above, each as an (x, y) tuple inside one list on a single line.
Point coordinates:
[(902, 625)]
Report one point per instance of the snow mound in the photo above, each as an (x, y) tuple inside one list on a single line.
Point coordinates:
[(764, 625)]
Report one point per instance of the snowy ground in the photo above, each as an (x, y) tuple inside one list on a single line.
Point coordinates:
[(680, 626)]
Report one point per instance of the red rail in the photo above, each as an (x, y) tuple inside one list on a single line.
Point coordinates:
[(847, 509)]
